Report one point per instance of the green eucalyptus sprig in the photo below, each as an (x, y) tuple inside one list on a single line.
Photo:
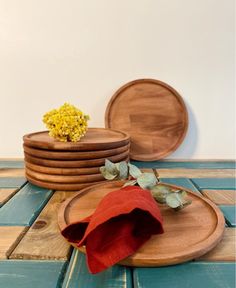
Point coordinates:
[(163, 194)]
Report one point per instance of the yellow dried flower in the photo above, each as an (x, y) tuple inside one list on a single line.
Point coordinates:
[(66, 123)]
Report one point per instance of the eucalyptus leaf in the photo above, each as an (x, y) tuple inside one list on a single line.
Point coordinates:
[(185, 204), (147, 180), (130, 183), (123, 169), (173, 200), (107, 175), (134, 171), (111, 167)]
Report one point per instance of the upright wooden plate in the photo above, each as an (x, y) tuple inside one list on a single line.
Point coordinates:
[(95, 139), (189, 233), (153, 113), (74, 155)]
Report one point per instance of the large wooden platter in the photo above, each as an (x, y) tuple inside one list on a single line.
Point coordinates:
[(94, 139), (153, 113), (75, 163), (74, 155), (63, 171), (189, 233)]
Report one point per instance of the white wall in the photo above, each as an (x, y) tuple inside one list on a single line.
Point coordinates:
[(82, 51)]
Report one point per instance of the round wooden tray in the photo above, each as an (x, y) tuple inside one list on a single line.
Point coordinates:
[(63, 171), (64, 178), (59, 186), (189, 233), (74, 155), (153, 113), (75, 163), (95, 139)]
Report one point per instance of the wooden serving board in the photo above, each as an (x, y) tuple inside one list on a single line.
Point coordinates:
[(74, 155), (94, 139), (153, 114), (189, 233), (64, 178), (62, 171), (75, 163)]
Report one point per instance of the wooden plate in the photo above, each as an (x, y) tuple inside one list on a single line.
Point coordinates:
[(75, 163), (62, 171), (95, 139), (64, 178), (59, 186), (74, 155), (154, 115), (189, 233)]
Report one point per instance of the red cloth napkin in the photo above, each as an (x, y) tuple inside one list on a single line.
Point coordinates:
[(123, 221)]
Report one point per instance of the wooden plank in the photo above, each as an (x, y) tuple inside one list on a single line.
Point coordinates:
[(44, 240), (10, 236), (184, 182), (196, 173), (194, 275), (221, 197), (6, 194), (28, 274), (12, 172), (225, 250), (24, 206), (11, 163), (78, 275), (187, 164), (12, 182), (215, 183), (229, 213)]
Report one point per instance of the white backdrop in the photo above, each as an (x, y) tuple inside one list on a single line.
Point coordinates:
[(81, 51)]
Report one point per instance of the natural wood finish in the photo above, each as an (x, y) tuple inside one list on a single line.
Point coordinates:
[(43, 240), (63, 171), (59, 186), (153, 114), (77, 179), (74, 155), (94, 139), (10, 236), (197, 173), (188, 233), (6, 194), (75, 163), (12, 172), (221, 197), (225, 250)]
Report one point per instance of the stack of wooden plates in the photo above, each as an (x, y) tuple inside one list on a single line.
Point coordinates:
[(72, 165)]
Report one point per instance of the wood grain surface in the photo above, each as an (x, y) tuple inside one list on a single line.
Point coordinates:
[(153, 114), (196, 173), (221, 197), (169, 248), (6, 194), (94, 139), (43, 240), (12, 172)]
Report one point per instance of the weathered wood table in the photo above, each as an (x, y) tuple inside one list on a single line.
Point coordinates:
[(33, 253)]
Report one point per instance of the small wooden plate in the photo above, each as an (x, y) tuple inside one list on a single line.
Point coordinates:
[(64, 178), (59, 186), (153, 113), (94, 139), (74, 155), (75, 163), (189, 233), (63, 171)]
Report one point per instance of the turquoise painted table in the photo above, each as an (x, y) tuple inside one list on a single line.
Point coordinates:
[(33, 253)]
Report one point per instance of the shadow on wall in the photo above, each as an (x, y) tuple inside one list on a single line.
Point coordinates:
[(189, 145)]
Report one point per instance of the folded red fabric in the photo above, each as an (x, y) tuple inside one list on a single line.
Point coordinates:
[(123, 221)]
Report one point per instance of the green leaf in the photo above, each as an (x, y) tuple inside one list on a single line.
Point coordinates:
[(111, 167), (185, 204), (123, 168), (147, 180), (134, 171), (130, 183), (173, 200), (107, 175)]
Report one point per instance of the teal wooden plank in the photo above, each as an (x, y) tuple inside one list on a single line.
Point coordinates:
[(194, 275), (188, 164), (215, 183), (12, 182), (77, 275), (31, 274), (12, 164), (184, 182), (24, 206), (230, 214)]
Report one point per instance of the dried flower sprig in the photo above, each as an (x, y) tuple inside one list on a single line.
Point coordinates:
[(66, 123), (163, 194)]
